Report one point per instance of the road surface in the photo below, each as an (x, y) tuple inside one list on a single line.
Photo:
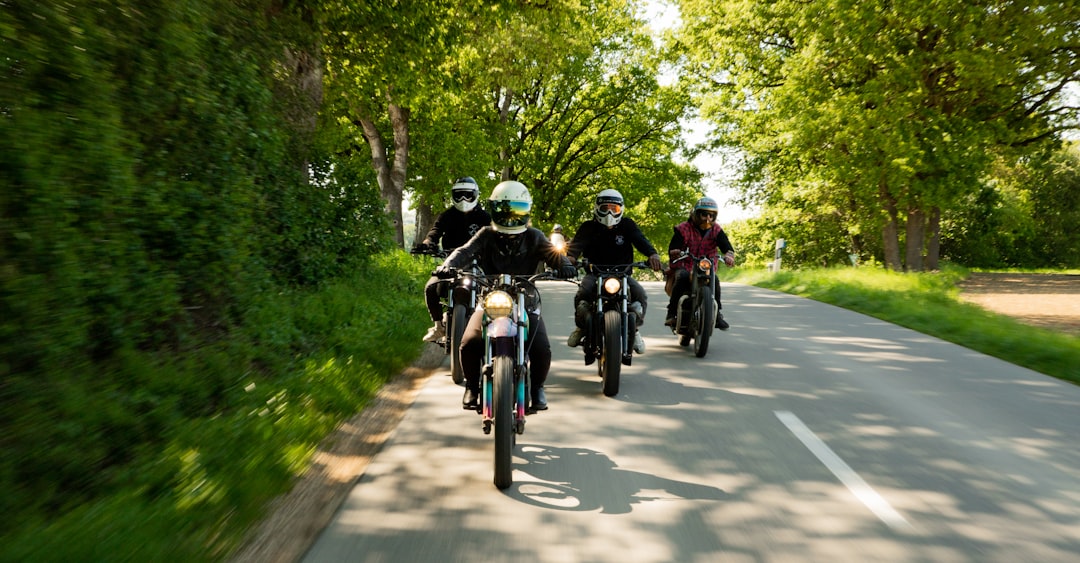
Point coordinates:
[(808, 433)]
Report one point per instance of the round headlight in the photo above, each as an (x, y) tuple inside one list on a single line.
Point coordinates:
[(498, 304), (612, 285), (705, 264)]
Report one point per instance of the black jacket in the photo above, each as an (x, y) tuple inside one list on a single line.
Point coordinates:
[(454, 227), (497, 253), (605, 246)]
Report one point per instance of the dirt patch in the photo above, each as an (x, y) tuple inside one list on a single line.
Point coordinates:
[(1050, 301)]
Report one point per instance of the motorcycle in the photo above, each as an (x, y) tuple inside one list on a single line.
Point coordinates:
[(611, 323), (458, 306), (696, 311), (504, 382)]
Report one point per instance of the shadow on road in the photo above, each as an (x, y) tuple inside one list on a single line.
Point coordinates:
[(596, 483)]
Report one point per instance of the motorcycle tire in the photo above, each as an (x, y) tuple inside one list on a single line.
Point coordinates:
[(611, 353), (458, 320), (503, 414), (705, 318)]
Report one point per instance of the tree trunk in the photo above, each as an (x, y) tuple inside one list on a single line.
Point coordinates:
[(391, 176), (890, 236), (915, 235), (424, 219), (933, 246)]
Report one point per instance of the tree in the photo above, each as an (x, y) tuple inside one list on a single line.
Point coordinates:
[(885, 113)]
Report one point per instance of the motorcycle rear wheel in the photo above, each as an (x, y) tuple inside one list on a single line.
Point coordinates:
[(503, 414)]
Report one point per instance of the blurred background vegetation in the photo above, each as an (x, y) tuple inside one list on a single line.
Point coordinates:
[(203, 202)]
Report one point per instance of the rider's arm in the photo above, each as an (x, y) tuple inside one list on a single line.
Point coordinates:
[(435, 233), (676, 246), (462, 256), (640, 241)]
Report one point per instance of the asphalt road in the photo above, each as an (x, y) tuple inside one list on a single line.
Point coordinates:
[(808, 433)]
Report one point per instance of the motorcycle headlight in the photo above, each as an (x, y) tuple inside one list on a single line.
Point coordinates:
[(498, 304), (705, 264), (612, 285)]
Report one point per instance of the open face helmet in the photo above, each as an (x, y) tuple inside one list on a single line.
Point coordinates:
[(510, 206), (704, 213), (609, 208), (465, 193)]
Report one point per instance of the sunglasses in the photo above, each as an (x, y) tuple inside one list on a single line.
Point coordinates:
[(464, 196), (706, 214), (609, 209)]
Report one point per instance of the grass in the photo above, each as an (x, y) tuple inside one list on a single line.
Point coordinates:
[(929, 303), (304, 362)]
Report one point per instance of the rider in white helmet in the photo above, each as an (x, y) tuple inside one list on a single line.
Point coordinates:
[(609, 240), (453, 227), (508, 246)]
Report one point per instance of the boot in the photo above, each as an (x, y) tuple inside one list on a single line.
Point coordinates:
[(470, 401), (436, 332), (539, 400), (720, 322)]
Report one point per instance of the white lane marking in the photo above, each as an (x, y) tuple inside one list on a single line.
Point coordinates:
[(843, 471)]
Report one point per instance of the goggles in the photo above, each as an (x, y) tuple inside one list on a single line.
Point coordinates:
[(464, 195), (702, 214), (510, 213), (608, 208)]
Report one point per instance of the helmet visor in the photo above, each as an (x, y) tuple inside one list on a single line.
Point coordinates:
[(464, 195), (510, 213), (608, 209)]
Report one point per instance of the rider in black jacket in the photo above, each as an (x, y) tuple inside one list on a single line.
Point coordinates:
[(508, 246), (609, 240), (453, 227)]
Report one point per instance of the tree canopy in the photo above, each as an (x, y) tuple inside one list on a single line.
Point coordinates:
[(883, 115)]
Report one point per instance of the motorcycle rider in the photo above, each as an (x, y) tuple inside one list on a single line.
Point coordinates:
[(702, 237), (609, 239), (453, 227), (508, 246), (557, 238)]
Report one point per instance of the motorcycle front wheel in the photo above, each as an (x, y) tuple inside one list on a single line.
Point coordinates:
[(458, 319), (611, 354), (503, 414), (705, 318)]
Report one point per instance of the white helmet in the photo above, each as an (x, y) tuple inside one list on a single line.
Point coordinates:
[(465, 193), (609, 208), (510, 205)]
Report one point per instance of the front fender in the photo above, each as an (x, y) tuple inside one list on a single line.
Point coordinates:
[(502, 327)]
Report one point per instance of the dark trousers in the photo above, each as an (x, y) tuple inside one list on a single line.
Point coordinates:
[(682, 287), (472, 351), (433, 290), (587, 292)]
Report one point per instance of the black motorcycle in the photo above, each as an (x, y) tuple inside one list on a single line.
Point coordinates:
[(696, 311), (458, 306), (612, 322)]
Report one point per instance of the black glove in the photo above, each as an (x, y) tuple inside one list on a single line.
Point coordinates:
[(567, 272)]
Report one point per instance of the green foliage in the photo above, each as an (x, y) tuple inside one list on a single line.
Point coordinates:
[(882, 114), (161, 458), (928, 303)]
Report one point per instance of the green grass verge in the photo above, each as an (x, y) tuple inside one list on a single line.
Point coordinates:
[(929, 303), (302, 363)]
